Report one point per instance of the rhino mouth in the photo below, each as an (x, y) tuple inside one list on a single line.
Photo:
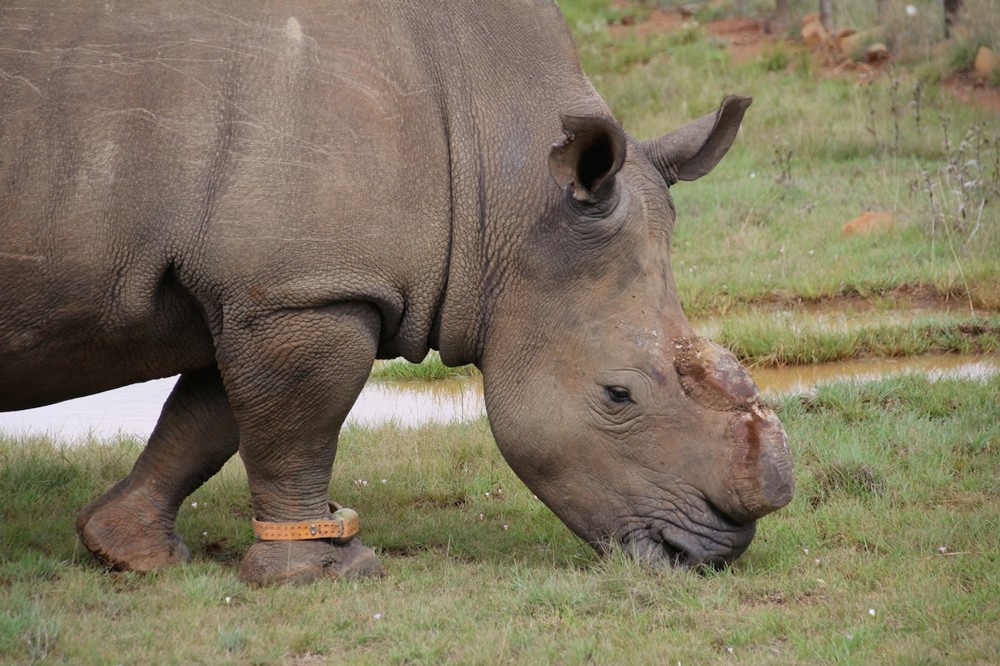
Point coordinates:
[(706, 537)]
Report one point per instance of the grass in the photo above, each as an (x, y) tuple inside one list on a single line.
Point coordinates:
[(430, 369), (761, 339), (889, 473)]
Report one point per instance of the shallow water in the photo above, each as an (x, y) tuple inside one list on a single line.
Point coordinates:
[(134, 409), (802, 378)]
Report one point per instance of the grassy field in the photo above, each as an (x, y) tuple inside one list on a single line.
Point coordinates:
[(890, 552)]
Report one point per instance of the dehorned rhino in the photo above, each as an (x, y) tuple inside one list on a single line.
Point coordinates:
[(264, 197)]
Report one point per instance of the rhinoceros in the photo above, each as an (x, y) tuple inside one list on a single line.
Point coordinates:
[(264, 197)]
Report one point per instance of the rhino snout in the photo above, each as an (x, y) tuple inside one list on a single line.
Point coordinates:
[(760, 462)]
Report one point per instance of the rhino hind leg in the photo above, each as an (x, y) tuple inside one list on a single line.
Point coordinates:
[(131, 527)]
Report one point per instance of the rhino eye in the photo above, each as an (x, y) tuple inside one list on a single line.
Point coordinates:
[(618, 394)]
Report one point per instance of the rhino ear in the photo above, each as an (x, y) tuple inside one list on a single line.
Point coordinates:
[(692, 151), (585, 162)]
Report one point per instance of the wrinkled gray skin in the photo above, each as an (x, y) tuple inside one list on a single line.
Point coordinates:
[(264, 197)]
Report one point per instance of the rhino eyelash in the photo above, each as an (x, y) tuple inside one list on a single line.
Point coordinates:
[(618, 394)]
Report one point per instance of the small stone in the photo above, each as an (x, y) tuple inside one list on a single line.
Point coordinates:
[(840, 34), (987, 63), (877, 54), (851, 45), (868, 222), (814, 34)]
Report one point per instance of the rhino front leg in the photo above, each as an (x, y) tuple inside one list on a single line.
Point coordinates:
[(291, 380), (131, 527)]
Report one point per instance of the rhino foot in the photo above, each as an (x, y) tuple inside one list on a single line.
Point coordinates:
[(277, 562), (127, 534)]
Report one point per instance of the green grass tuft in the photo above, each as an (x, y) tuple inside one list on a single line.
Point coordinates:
[(430, 369)]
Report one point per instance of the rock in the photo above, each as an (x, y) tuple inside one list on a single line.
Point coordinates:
[(987, 63), (838, 36), (852, 45), (868, 222), (877, 54), (814, 34)]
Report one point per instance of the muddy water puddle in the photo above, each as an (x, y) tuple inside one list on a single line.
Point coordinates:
[(134, 409), (803, 378)]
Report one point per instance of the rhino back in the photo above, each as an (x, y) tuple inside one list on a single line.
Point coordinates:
[(166, 165)]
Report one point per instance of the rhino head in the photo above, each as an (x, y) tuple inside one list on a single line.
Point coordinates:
[(615, 413)]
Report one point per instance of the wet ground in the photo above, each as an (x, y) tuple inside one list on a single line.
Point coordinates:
[(134, 409)]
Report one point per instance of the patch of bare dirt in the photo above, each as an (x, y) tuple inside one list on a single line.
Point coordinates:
[(905, 297), (969, 90), (660, 21), (746, 36)]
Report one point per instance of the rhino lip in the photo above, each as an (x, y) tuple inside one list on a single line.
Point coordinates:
[(713, 540)]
